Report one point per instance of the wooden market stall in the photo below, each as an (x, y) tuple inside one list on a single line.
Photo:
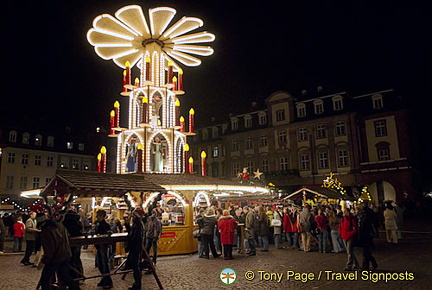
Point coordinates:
[(318, 194)]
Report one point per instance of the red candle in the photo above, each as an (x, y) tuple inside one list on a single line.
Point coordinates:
[(136, 82), (177, 112), (182, 124), (180, 80), (174, 82), (103, 159), (170, 71), (99, 160), (144, 110), (124, 81), (191, 120), (186, 157), (140, 158), (112, 122), (128, 73), (190, 164), (147, 70), (117, 114), (203, 163)]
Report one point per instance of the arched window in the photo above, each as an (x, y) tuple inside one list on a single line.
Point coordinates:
[(13, 136), (50, 141), (38, 140), (26, 138)]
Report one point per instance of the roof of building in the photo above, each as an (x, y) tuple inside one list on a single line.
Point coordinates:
[(311, 191)]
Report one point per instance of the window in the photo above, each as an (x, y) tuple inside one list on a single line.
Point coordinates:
[(304, 162), (234, 123), (343, 158), (69, 145), (38, 140), (215, 132), (248, 121), (337, 103), (9, 182), (38, 160), (36, 181), (47, 180), (75, 164), (26, 138), (265, 165), (249, 143), (24, 158), (323, 160), (302, 134), (13, 136), (250, 165), (50, 141), (204, 134), (282, 137), (23, 182), (377, 101), (319, 107), (86, 166), (301, 110), (380, 128), (340, 128), (236, 169), (215, 151), (383, 154), (81, 146), (234, 145), (11, 157), (50, 161), (284, 163), (321, 131), (280, 115), (262, 118), (263, 140)]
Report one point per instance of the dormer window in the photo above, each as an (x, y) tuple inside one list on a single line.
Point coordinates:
[(301, 110), (38, 140), (280, 115), (234, 123), (337, 103), (25, 138), (13, 136), (377, 101), (248, 121), (50, 141), (319, 107), (262, 118)]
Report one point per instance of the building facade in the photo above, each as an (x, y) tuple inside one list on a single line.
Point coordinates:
[(362, 139)]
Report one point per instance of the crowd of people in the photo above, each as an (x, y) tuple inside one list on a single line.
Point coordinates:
[(328, 228)]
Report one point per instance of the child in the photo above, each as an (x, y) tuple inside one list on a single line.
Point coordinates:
[(19, 230)]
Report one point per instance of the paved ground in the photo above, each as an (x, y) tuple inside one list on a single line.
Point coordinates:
[(411, 259)]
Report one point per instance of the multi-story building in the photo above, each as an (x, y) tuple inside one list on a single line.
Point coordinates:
[(362, 139), (29, 159)]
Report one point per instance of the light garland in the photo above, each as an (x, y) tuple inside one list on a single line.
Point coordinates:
[(333, 183)]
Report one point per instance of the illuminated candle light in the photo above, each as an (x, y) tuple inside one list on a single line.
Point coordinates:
[(170, 71), (140, 157), (191, 120), (191, 164), (99, 161), (177, 112), (112, 122), (128, 73), (147, 74), (124, 81), (180, 80), (144, 110), (182, 124), (136, 83), (203, 163), (186, 157), (117, 114), (174, 82), (103, 159)]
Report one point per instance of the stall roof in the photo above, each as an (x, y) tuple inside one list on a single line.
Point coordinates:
[(317, 190), (98, 184)]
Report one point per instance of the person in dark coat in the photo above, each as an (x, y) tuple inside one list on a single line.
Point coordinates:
[(153, 232), (134, 246), (365, 235), (56, 257), (263, 228), (103, 251), (73, 224), (207, 225)]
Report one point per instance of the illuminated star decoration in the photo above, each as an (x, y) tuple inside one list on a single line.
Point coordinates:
[(257, 174), (127, 36), (239, 175)]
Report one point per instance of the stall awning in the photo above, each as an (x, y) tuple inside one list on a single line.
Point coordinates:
[(311, 191), (89, 184)]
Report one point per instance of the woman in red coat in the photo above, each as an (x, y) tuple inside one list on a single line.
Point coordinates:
[(227, 226), (348, 232), (290, 228), (19, 230)]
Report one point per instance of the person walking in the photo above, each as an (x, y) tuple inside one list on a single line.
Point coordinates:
[(18, 233), (207, 225), (365, 235), (305, 227), (227, 227), (390, 222), (134, 246), (30, 236), (56, 254), (250, 229), (348, 232), (153, 232)]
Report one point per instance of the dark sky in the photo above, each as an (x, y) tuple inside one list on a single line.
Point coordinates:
[(54, 75)]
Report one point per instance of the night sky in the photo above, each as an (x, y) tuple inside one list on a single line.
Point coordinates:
[(53, 75)]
